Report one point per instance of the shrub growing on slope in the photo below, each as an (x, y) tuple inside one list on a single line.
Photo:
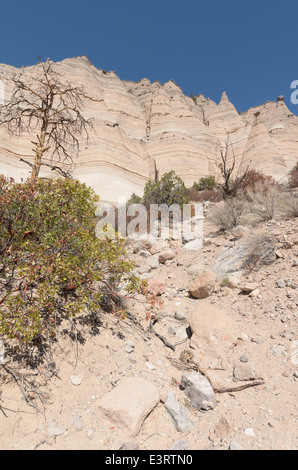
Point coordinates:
[(207, 183), (293, 177), (169, 190), (50, 257)]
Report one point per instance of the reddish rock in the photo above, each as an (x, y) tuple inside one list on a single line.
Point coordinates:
[(156, 286)]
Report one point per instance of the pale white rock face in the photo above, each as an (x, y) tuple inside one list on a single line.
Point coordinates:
[(143, 129), (129, 403)]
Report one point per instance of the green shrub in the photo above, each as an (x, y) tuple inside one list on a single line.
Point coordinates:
[(169, 190), (51, 262), (134, 199), (207, 183)]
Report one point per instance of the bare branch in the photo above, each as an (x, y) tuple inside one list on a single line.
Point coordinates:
[(45, 103)]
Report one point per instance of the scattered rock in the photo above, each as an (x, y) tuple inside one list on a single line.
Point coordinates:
[(204, 284), (180, 445), (178, 413), (129, 446), (248, 287), (76, 379), (144, 269), (235, 446), (233, 281), (243, 372), (166, 255), (195, 269), (144, 254), (222, 429), (153, 262), (129, 403), (244, 358), (78, 423), (54, 430), (199, 391), (144, 244), (156, 286), (150, 366), (158, 247), (249, 432), (281, 284), (254, 293), (194, 245), (179, 315)]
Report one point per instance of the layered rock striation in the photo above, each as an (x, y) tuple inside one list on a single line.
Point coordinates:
[(141, 130)]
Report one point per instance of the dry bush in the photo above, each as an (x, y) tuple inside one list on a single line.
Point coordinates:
[(260, 251), (205, 195), (289, 202), (229, 213), (263, 200), (293, 177)]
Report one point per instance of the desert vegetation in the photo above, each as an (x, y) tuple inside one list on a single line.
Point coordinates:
[(52, 265)]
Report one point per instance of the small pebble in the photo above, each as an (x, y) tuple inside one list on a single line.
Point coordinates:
[(244, 358), (249, 432)]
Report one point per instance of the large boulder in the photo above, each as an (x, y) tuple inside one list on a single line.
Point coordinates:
[(129, 403), (213, 333)]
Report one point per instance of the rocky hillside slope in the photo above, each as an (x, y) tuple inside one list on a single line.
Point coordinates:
[(143, 128), (218, 370)]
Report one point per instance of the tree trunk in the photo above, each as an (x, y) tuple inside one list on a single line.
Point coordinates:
[(38, 155)]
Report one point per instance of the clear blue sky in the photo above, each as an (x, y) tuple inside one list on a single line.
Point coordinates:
[(248, 48)]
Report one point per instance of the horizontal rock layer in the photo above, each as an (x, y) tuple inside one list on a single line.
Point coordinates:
[(145, 128)]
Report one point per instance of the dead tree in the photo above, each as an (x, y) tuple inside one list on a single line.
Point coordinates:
[(232, 183), (42, 103)]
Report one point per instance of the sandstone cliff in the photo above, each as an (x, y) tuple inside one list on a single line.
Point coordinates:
[(143, 129)]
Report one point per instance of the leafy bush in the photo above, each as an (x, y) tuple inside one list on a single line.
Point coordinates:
[(51, 262), (207, 183), (169, 190), (134, 199), (251, 180)]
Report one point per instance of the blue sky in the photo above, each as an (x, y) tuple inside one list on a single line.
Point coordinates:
[(248, 48)]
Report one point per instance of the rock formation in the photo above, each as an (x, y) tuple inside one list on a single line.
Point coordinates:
[(142, 130)]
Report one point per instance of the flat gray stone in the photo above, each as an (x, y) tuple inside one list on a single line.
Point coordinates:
[(55, 430), (199, 390), (178, 413)]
